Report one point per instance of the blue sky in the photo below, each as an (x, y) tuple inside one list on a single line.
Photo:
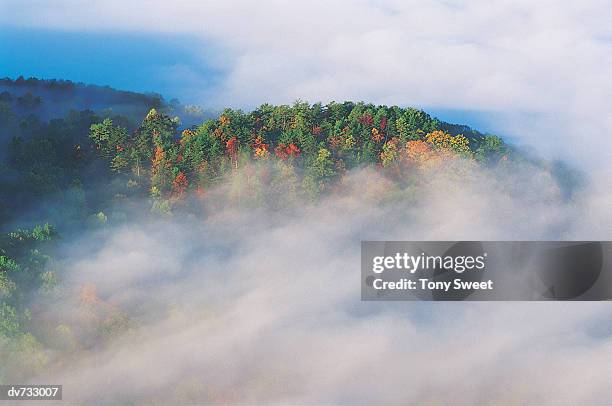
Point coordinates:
[(138, 62)]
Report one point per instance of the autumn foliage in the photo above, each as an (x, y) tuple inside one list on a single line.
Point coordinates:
[(285, 152), (231, 147), (318, 144), (260, 149), (179, 186)]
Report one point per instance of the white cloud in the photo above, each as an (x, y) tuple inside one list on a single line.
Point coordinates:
[(263, 306)]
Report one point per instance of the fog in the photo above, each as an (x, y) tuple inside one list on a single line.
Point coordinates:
[(252, 306)]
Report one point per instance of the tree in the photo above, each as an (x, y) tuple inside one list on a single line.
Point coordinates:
[(318, 173), (179, 186), (444, 141), (161, 171), (110, 140), (161, 128), (231, 147), (260, 148), (284, 152), (490, 149), (390, 152), (411, 123), (418, 153)]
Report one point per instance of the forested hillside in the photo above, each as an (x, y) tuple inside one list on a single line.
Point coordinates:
[(44, 126), (25, 100), (293, 151), (66, 169), (55, 98), (103, 167)]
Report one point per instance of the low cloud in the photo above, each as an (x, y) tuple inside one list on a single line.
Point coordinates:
[(254, 306)]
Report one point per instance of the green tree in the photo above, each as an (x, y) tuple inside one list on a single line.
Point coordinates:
[(490, 148), (318, 173), (111, 141)]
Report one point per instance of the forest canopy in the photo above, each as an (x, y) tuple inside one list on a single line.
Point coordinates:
[(92, 161)]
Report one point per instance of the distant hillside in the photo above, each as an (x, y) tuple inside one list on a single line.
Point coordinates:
[(50, 99)]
